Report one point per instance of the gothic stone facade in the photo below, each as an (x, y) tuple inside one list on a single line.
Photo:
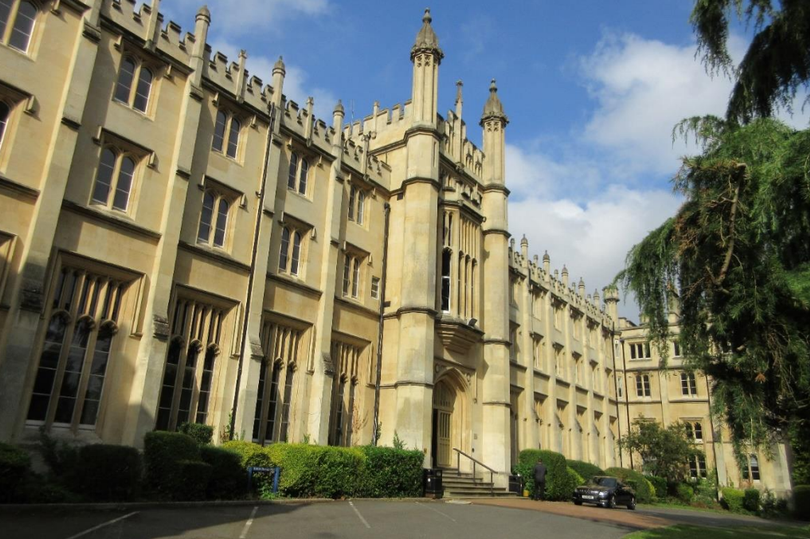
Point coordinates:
[(181, 243)]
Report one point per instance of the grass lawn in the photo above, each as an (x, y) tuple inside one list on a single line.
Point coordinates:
[(666, 505), (737, 532)]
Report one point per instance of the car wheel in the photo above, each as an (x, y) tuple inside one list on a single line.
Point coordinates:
[(577, 503), (632, 505), (611, 503)]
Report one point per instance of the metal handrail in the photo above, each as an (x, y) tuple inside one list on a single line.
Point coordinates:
[(492, 472)]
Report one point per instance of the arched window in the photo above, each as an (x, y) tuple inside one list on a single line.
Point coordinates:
[(285, 247), (291, 179), (219, 131), (352, 201), (116, 172), (285, 405), (361, 207), (24, 16), (233, 137), (302, 182), (347, 261), (213, 226), (296, 253), (205, 384), (698, 431), (144, 89), (690, 432), (125, 77), (355, 277), (446, 258), (5, 112)]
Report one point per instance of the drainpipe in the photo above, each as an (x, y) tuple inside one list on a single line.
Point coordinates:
[(252, 275), (374, 440), (616, 392)]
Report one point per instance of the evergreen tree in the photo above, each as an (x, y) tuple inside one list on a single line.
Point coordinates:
[(777, 62), (665, 452)]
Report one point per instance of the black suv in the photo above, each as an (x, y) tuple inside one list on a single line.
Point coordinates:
[(605, 491)]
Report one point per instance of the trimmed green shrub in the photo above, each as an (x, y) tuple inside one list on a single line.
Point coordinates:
[(193, 477), (684, 492), (391, 473), (643, 488), (559, 484), (801, 501), (14, 465), (733, 499), (586, 470), (250, 454), (35, 488), (228, 477), (340, 471), (299, 468), (107, 472), (575, 478), (162, 453), (202, 434), (751, 500), (659, 486)]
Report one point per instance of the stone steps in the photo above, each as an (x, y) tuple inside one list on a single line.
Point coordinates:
[(467, 486)]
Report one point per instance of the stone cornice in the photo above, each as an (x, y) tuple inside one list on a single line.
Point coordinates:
[(7, 184)]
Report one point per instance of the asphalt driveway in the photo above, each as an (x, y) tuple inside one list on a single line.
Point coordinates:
[(341, 519)]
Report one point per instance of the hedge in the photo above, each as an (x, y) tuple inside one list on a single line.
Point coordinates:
[(660, 486), (14, 465), (559, 483), (250, 454), (585, 469), (202, 434), (751, 500), (192, 480), (575, 478), (733, 499), (801, 501), (391, 473), (684, 492), (641, 485), (228, 477), (163, 454), (107, 472)]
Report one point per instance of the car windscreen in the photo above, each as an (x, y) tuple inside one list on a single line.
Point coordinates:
[(602, 481)]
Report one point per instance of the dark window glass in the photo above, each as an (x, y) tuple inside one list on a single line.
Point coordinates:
[(23, 26), (143, 90), (446, 257), (296, 253), (125, 76), (222, 223), (46, 373), (5, 10), (69, 391), (101, 192), (204, 231), (95, 383), (285, 406), (302, 182), (293, 171), (5, 111), (169, 381), (233, 138), (219, 131), (124, 184), (285, 248)]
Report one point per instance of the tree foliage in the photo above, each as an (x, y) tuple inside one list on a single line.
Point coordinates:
[(777, 62), (737, 257), (665, 452)]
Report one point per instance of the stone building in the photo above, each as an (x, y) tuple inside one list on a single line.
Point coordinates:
[(179, 242)]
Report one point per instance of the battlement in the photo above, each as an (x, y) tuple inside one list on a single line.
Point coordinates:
[(556, 282), (141, 22)]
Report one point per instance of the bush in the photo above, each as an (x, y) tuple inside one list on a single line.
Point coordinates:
[(107, 472), (35, 488), (559, 484), (391, 473), (14, 465), (202, 434), (340, 471), (575, 478), (751, 500), (586, 470), (733, 499), (163, 452), (643, 488), (684, 492), (801, 501), (773, 507), (659, 486), (250, 454), (192, 480), (228, 477)]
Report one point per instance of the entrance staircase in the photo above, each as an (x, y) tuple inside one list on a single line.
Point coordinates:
[(467, 486)]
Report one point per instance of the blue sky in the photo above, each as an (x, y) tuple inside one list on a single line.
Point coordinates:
[(592, 89)]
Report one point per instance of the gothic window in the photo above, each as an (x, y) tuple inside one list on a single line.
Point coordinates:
[(298, 174), (290, 252), (213, 226), (127, 90), (697, 467), (190, 371), (347, 360), (357, 205), (351, 275), (282, 345), (751, 470), (115, 176), (17, 20), (446, 261), (698, 430), (5, 113), (83, 319), (226, 134), (676, 346), (643, 385), (688, 384)]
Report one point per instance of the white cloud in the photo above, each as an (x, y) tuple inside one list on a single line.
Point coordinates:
[(593, 239), (246, 16)]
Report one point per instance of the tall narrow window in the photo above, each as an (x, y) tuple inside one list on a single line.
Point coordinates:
[(141, 99), (302, 182), (375, 287), (273, 404), (352, 201), (698, 431), (355, 277), (285, 247), (116, 173), (219, 131), (257, 415), (688, 384), (133, 95), (643, 385), (205, 385), (751, 471), (125, 77), (291, 251), (227, 130), (361, 207), (293, 172), (213, 226), (347, 264), (5, 112), (296, 253), (350, 414), (346, 359), (285, 405), (22, 28), (233, 138), (446, 258), (69, 383), (337, 438)]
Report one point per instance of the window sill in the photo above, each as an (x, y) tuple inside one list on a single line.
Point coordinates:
[(129, 107), (227, 157)]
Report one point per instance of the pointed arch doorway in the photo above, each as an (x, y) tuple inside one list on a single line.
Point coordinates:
[(444, 402)]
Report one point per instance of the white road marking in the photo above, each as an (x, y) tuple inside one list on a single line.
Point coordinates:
[(94, 528), (359, 515), (437, 511), (249, 523)]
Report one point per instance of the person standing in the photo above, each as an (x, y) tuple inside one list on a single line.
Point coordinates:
[(539, 480)]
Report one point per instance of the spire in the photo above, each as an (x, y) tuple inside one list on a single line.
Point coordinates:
[(426, 40), (493, 107), (204, 13), (279, 66)]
